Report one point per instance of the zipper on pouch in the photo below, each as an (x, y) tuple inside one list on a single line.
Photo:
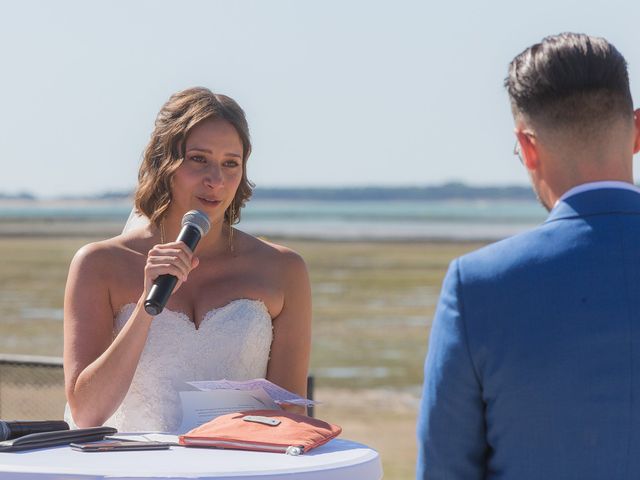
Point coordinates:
[(292, 450)]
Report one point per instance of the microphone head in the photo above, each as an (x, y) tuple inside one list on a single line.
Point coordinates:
[(198, 220)]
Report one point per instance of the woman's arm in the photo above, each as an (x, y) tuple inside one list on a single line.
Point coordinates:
[(98, 368), (291, 346)]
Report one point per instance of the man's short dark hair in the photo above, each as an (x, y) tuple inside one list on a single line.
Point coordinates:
[(570, 79)]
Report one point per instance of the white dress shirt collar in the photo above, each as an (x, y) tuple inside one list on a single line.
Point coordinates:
[(585, 187)]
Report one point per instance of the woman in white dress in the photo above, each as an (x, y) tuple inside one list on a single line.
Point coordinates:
[(241, 308)]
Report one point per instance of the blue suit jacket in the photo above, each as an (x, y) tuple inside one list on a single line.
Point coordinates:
[(533, 369)]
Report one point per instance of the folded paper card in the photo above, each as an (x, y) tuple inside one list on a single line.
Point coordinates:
[(200, 407), (263, 431), (277, 393)]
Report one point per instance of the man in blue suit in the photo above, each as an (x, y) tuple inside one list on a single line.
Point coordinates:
[(533, 369)]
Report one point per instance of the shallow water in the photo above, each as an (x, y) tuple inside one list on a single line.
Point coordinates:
[(334, 220)]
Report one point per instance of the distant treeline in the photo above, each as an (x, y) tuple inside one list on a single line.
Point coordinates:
[(449, 191), (17, 196)]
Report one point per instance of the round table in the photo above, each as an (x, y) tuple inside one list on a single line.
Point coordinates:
[(336, 460)]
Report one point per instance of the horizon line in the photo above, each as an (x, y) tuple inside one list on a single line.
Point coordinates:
[(26, 194)]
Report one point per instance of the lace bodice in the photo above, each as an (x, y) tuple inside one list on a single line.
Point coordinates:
[(232, 342)]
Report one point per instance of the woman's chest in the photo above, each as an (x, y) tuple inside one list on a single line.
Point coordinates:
[(235, 338), (209, 287)]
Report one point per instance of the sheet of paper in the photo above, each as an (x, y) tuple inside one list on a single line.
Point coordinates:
[(278, 394), (201, 406)]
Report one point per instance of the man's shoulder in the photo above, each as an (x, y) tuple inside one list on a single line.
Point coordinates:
[(496, 259)]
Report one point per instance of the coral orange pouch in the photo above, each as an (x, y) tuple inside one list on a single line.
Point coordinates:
[(262, 431)]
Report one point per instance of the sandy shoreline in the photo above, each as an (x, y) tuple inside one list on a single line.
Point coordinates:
[(103, 229), (45, 227)]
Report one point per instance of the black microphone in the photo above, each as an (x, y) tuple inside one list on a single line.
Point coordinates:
[(10, 430), (195, 225)]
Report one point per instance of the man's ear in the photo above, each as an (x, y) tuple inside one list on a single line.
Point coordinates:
[(529, 148), (636, 121)]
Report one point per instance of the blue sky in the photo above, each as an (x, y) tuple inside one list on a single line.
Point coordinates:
[(337, 92)]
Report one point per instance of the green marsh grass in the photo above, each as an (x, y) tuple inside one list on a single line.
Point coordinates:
[(372, 307)]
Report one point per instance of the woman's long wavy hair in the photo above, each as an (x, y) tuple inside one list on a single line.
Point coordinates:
[(166, 149)]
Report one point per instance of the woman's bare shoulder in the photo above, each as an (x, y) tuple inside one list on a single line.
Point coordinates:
[(273, 253), (112, 251)]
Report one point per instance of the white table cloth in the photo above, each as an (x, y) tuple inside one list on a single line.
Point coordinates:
[(337, 460)]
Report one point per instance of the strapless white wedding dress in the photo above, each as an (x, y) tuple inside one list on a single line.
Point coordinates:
[(232, 342)]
